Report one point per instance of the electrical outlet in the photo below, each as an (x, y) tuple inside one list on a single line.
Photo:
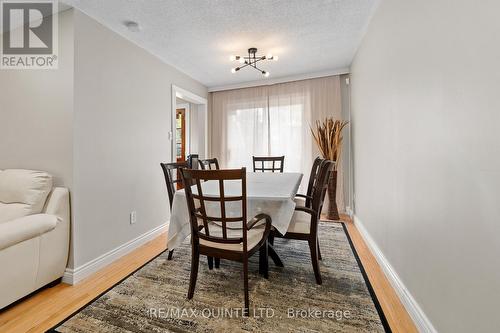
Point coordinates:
[(133, 217)]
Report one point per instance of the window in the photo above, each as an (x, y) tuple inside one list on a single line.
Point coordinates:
[(266, 131), (272, 121)]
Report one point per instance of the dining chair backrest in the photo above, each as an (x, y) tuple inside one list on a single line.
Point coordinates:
[(271, 163), (197, 204), (209, 164), (192, 161), (321, 185), (313, 176), (172, 177)]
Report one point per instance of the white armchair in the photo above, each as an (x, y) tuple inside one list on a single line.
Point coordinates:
[(34, 233)]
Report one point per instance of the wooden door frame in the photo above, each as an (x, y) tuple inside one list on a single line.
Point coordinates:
[(201, 104)]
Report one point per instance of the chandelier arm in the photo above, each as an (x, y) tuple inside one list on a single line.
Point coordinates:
[(243, 66), (257, 68)]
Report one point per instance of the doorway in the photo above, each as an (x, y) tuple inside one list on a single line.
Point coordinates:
[(189, 134)]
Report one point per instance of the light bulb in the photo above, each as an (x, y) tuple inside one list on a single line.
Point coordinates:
[(241, 60), (275, 58), (266, 74), (269, 56), (233, 70), (232, 58)]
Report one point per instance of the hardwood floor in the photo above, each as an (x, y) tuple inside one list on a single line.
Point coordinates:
[(47, 308), (394, 311)]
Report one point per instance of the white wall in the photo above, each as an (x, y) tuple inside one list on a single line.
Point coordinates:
[(100, 125), (198, 114), (121, 123), (36, 114), (426, 116)]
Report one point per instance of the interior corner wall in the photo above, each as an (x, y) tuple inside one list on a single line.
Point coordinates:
[(36, 114), (122, 118), (345, 97), (426, 133)]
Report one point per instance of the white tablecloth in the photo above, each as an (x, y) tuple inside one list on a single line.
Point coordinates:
[(269, 193)]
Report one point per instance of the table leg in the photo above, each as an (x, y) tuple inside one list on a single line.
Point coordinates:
[(274, 256)]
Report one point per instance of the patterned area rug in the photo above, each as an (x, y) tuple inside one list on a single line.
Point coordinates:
[(153, 299)]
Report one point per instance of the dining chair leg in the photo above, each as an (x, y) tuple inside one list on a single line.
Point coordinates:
[(195, 260), (261, 260), (170, 253), (210, 262), (319, 251), (217, 262), (245, 286), (313, 246), (264, 260)]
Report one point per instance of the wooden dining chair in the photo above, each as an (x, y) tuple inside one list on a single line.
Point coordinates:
[(222, 236), (272, 164), (305, 220), (305, 199), (209, 164), (172, 182)]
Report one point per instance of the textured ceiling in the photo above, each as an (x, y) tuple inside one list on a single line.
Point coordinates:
[(197, 36)]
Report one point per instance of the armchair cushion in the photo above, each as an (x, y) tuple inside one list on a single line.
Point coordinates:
[(24, 228), (300, 201), (27, 190), (254, 236), (301, 223)]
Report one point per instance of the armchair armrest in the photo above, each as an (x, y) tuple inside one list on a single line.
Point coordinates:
[(58, 204), (258, 218), (24, 228), (267, 229), (306, 210), (303, 200)]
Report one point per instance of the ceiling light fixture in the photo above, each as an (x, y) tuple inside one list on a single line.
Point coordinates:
[(251, 61)]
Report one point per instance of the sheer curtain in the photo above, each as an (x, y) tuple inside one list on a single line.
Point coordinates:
[(273, 120), (239, 126)]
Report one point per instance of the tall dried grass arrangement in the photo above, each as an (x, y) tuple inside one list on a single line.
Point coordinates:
[(328, 137)]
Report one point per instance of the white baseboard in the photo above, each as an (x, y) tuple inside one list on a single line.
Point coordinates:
[(419, 318), (348, 211), (73, 276)]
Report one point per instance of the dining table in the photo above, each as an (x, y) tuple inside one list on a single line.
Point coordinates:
[(267, 192)]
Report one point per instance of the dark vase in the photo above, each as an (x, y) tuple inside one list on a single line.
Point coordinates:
[(333, 212)]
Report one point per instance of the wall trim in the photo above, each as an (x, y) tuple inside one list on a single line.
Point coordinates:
[(268, 82), (73, 276), (423, 323)]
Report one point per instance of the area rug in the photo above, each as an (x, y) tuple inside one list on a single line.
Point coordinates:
[(153, 299)]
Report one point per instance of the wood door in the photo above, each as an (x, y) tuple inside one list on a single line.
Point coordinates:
[(180, 134), (180, 138)]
